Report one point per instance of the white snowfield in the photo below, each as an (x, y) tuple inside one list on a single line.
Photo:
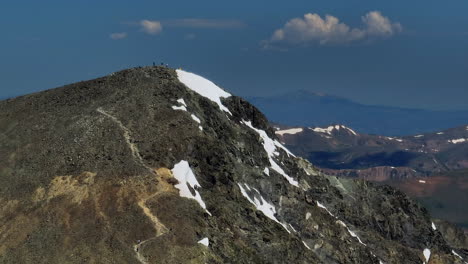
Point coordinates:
[(270, 146), (204, 88), (290, 131), (433, 226), (418, 136), (456, 141), (183, 173), (330, 129)]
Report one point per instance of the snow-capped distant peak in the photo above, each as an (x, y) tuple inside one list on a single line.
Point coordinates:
[(329, 130), (418, 136), (396, 139), (291, 131), (203, 87), (456, 141)]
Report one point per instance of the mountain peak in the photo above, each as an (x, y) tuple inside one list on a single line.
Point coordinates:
[(147, 166)]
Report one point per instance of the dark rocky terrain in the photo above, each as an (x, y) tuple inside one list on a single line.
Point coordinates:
[(138, 167), (305, 108)]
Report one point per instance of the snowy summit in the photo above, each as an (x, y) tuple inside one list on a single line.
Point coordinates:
[(203, 87)]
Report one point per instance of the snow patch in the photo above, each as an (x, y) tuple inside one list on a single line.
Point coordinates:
[(422, 181), (292, 227), (278, 169), (427, 254), (456, 254), (418, 136), (183, 106), (291, 131), (182, 102), (396, 139), (323, 207), (194, 117), (266, 171), (179, 108), (330, 129), (270, 146), (433, 226), (183, 173), (205, 241), (262, 205), (351, 232), (440, 133), (350, 130), (456, 141), (305, 245), (204, 88)]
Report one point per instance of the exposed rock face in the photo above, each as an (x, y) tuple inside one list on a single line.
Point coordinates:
[(137, 167)]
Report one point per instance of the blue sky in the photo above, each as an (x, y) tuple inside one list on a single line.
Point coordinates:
[(407, 53)]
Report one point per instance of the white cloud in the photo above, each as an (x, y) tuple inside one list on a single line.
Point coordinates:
[(378, 25), (118, 35), (313, 29), (151, 27)]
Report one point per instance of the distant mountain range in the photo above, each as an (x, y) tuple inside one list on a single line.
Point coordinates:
[(338, 147), (432, 167), (303, 108)]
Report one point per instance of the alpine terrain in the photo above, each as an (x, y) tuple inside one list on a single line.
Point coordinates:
[(155, 165), (431, 167), (339, 147)]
